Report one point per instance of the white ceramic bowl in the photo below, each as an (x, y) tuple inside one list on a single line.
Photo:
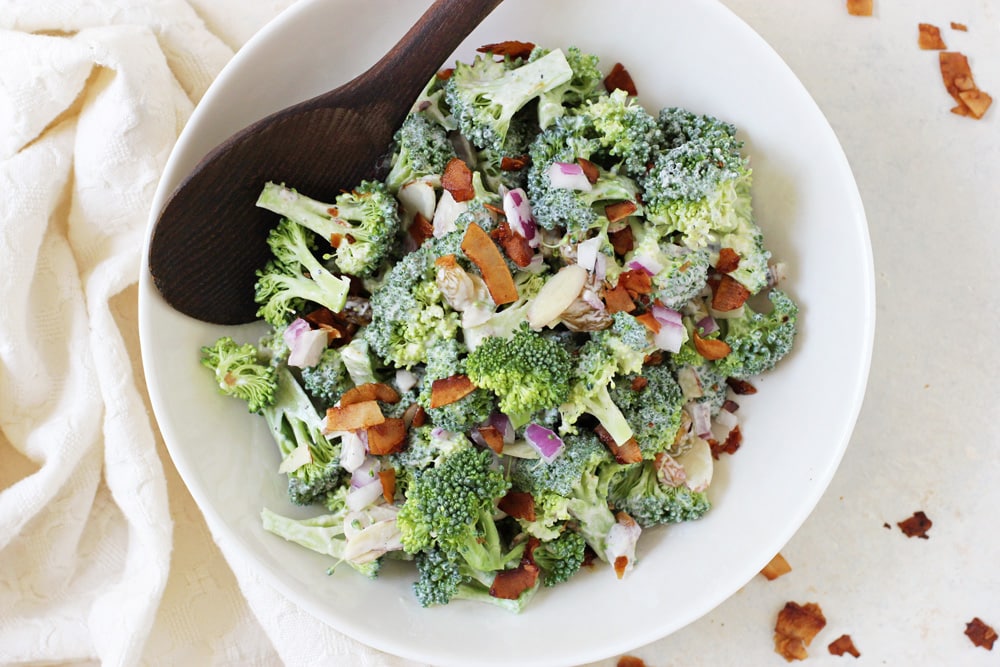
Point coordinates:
[(691, 53)]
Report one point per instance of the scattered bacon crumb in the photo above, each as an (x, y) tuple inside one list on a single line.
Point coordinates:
[(630, 661), (621, 565), (457, 179), (493, 438), (388, 437), (729, 294), (446, 391), (518, 504), (509, 584), (511, 48), (420, 229), (354, 416), (627, 452), (729, 446), (480, 248), (514, 245), (729, 261), (371, 391), (980, 634), (650, 322), (617, 299), (961, 27), (419, 417), (957, 77), (843, 644), (741, 387), (776, 568), (929, 37), (387, 478), (859, 7), (710, 348), (916, 526), (639, 383), (619, 210), (445, 74), (636, 282), (619, 78), (795, 629), (590, 170), (509, 163), (339, 330), (622, 241)]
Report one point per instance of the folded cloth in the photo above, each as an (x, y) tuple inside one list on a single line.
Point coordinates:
[(103, 555)]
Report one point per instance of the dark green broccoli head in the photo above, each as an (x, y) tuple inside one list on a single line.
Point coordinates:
[(420, 148), (440, 577), (328, 379), (652, 402), (626, 131), (638, 492), (581, 456), (758, 341), (561, 558)]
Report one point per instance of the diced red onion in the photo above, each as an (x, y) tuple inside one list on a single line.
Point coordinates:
[(708, 325), (544, 441), (517, 208), (587, 253), (645, 263), (701, 418), (568, 175), (360, 497), (352, 451), (666, 315), (366, 473), (601, 266), (308, 348), (670, 337), (727, 420), (592, 299), (504, 425)]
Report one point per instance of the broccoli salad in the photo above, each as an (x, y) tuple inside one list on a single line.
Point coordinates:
[(521, 347)]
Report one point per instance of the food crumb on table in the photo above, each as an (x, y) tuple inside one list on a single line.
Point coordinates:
[(980, 634), (843, 644), (916, 526)]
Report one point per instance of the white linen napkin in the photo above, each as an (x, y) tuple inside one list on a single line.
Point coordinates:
[(103, 555)]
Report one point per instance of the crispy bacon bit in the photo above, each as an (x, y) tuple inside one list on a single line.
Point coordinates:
[(630, 661), (450, 389), (338, 329), (859, 7), (741, 387), (627, 452), (636, 282), (617, 300), (980, 634), (335, 240), (639, 383), (957, 77), (387, 478), (354, 416), (479, 247), (419, 417), (795, 629), (729, 261), (457, 179), (371, 391), (619, 78), (650, 322), (710, 348), (514, 245), (509, 584), (492, 437), (445, 74), (517, 163), (654, 358), (619, 210), (493, 209), (622, 241), (729, 446), (621, 565), (961, 27), (510, 48), (420, 229), (729, 294), (929, 37), (776, 568), (388, 437), (518, 504), (590, 170), (916, 526), (843, 644)]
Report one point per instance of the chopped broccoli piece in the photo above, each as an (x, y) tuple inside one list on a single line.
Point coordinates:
[(360, 224), (683, 273), (484, 95), (758, 341), (505, 321), (528, 372), (561, 558), (626, 131), (443, 579), (583, 86), (295, 276), (421, 148), (445, 360), (638, 492), (240, 372), (328, 379), (654, 410), (427, 447), (580, 211), (593, 377)]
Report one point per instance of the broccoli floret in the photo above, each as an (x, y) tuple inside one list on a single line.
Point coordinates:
[(295, 423), (568, 139), (409, 313), (240, 372), (683, 273), (328, 379), (638, 491), (443, 579), (627, 132), (561, 558), (446, 360), (431, 103), (579, 211), (360, 224), (583, 86), (758, 341), (427, 447), (295, 276), (593, 377), (484, 95), (421, 148), (528, 372), (505, 321), (654, 410), (627, 340)]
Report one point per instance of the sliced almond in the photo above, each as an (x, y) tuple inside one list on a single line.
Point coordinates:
[(556, 295)]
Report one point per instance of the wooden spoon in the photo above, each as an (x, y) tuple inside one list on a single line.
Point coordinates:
[(210, 237)]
